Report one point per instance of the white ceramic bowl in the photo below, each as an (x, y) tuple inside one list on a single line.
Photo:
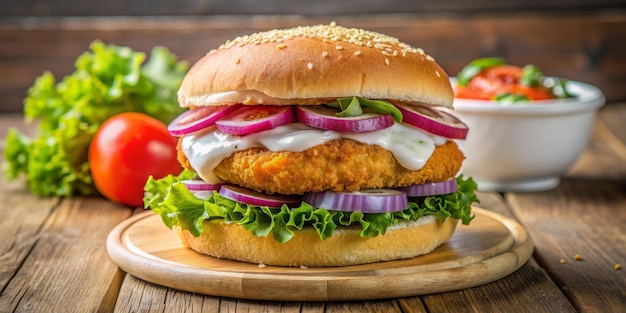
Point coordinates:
[(526, 147)]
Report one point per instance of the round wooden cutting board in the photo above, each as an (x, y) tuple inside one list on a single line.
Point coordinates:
[(491, 247)]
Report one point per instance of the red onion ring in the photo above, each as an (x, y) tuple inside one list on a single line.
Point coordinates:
[(198, 118), (253, 119), (199, 185), (433, 121), (365, 200), (324, 118), (430, 189), (252, 197), (203, 194)]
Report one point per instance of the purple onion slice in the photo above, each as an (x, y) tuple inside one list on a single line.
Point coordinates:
[(430, 189), (365, 200), (434, 121), (324, 118), (200, 185), (252, 197), (198, 118), (202, 194), (253, 119)]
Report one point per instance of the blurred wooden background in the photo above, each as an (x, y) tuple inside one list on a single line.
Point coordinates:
[(582, 40)]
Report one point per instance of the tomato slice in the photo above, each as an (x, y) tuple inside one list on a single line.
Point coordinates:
[(540, 93), (504, 79), (505, 74)]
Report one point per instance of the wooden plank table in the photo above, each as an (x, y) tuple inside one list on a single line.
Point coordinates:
[(53, 257), (587, 45)]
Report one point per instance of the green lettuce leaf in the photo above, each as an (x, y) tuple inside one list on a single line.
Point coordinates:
[(107, 80), (169, 198)]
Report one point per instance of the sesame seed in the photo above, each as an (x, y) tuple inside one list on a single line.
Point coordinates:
[(578, 257), (385, 53), (310, 66), (281, 46), (562, 261), (437, 73), (328, 33), (358, 52), (429, 58), (324, 53), (238, 61), (617, 267), (386, 61)]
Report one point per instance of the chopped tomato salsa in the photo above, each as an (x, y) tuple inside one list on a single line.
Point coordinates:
[(492, 79)]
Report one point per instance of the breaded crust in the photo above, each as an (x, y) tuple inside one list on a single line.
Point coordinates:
[(338, 165)]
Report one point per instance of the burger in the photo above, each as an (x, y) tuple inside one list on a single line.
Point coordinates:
[(315, 146)]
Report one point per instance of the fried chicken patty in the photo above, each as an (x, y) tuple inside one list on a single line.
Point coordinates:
[(338, 165)]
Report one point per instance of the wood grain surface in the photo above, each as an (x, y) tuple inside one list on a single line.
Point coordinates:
[(492, 247), (587, 46), (44, 266), (319, 7)]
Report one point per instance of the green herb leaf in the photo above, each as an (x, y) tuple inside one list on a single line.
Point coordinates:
[(352, 106), (107, 80), (558, 87), (510, 98), (382, 107), (531, 76), (475, 67)]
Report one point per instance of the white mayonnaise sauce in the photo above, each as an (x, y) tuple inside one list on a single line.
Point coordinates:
[(205, 149)]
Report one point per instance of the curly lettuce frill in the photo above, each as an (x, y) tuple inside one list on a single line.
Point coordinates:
[(177, 206), (107, 80)]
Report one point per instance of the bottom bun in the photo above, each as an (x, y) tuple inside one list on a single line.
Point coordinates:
[(345, 247)]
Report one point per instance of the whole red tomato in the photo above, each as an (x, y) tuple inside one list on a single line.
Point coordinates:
[(126, 150)]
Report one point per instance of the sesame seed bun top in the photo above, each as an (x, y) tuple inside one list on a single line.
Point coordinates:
[(314, 65)]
